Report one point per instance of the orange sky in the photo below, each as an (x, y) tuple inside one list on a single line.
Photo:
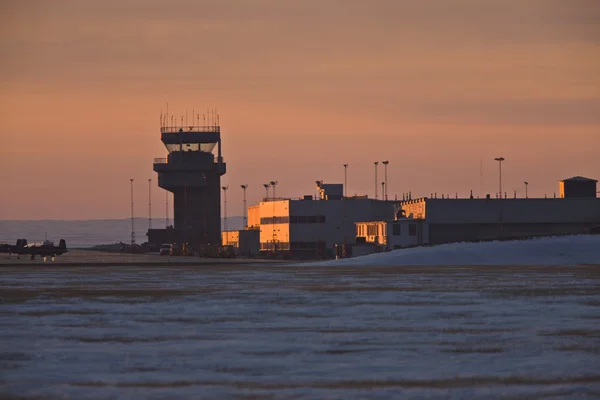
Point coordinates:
[(302, 87)]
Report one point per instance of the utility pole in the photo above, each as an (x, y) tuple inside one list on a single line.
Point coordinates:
[(385, 164), (132, 223), (149, 204), (376, 190), (244, 187), (500, 159), (345, 180)]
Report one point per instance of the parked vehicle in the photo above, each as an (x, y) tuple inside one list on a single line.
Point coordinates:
[(165, 249)]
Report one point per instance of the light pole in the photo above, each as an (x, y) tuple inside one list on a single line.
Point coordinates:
[(266, 186), (526, 183), (273, 184), (500, 159), (167, 209), (345, 180), (376, 163), (244, 187), (149, 204), (385, 164), (383, 189), (132, 224), (225, 213)]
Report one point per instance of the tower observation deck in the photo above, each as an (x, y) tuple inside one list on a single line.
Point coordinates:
[(192, 173)]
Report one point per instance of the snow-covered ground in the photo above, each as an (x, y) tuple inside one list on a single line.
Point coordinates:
[(559, 250), (182, 332)]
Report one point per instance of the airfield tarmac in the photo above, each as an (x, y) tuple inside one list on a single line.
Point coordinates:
[(235, 330), (91, 258)]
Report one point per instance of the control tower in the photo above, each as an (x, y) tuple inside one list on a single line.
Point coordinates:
[(192, 173)]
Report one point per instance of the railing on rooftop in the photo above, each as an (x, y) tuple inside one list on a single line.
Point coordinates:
[(191, 128), (161, 160), (275, 199)]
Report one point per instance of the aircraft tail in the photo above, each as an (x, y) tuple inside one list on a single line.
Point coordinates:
[(62, 244), (21, 243)]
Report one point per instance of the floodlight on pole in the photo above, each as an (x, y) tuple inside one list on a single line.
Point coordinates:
[(526, 184), (385, 164), (225, 207), (149, 204), (266, 186), (500, 159), (132, 222), (244, 187), (345, 180), (376, 164), (273, 184)]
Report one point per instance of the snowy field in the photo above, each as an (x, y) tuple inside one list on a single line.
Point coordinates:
[(237, 332), (559, 250)]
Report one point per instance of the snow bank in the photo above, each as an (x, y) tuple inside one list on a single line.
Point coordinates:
[(560, 250)]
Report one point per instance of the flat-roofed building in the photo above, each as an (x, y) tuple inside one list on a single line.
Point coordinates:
[(577, 187), (245, 242), (309, 228), (436, 221)]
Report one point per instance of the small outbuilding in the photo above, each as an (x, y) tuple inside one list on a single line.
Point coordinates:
[(577, 187)]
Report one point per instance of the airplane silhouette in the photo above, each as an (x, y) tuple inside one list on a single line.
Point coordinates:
[(44, 249)]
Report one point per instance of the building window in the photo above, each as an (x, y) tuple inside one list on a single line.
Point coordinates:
[(274, 220), (307, 219), (371, 230), (412, 229), (396, 229)]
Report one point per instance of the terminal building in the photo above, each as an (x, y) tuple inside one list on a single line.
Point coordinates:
[(307, 227), (427, 221), (192, 173)]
